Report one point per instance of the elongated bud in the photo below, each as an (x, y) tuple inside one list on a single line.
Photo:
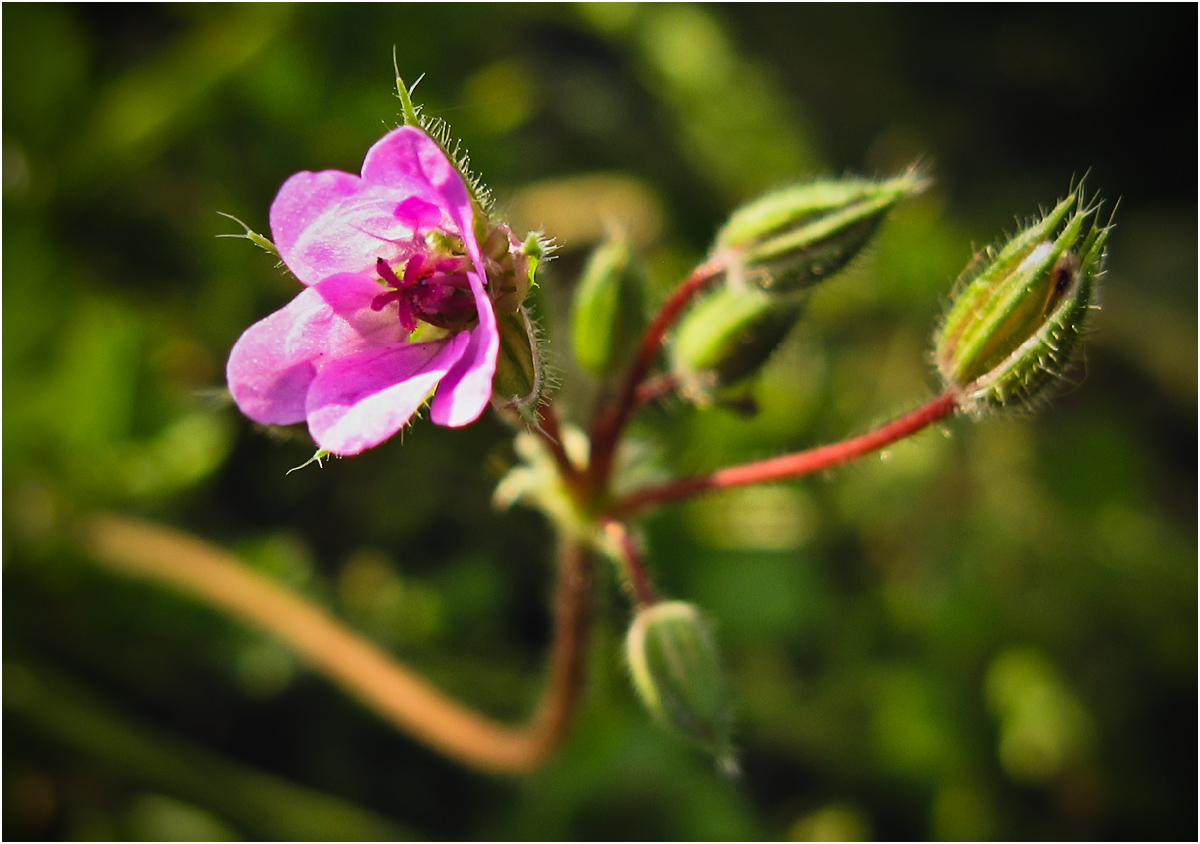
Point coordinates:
[(1019, 310), (728, 336), (676, 671), (606, 314), (795, 237)]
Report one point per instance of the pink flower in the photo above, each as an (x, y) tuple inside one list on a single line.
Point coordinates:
[(382, 255)]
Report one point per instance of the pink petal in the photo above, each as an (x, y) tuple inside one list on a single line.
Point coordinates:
[(331, 222), (408, 160), (467, 388), (357, 402), (302, 201), (352, 234), (273, 364), (465, 391)]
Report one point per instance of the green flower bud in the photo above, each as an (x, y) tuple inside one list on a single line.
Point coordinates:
[(676, 671), (728, 336), (1019, 309), (606, 315), (795, 237), (520, 376)]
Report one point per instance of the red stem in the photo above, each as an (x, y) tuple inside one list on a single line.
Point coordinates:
[(653, 389), (791, 465), (550, 431), (643, 589), (606, 433)]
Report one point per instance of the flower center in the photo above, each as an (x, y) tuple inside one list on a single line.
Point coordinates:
[(433, 291)]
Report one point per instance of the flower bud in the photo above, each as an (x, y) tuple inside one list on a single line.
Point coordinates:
[(1012, 325), (606, 314), (676, 671), (728, 336), (795, 237)]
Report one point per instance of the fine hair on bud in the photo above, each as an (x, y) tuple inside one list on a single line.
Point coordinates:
[(1020, 308), (790, 239)]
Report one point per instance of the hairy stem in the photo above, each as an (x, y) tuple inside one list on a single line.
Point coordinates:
[(790, 465), (550, 430), (639, 580), (393, 691), (606, 433)]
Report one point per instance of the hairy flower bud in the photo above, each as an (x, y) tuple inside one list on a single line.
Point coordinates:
[(1018, 311), (607, 308), (795, 237), (728, 336), (676, 671)]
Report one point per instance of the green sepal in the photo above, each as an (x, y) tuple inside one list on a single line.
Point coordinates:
[(254, 237), (439, 131), (520, 375), (319, 458)]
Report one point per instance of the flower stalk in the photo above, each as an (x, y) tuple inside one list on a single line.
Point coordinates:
[(610, 424), (362, 669), (790, 465), (623, 547)]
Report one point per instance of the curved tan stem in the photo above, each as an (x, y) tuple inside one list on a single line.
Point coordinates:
[(361, 668)]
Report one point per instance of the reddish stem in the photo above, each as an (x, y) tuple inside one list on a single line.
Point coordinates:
[(654, 388), (606, 433), (550, 431), (643, 589), (791, 465)]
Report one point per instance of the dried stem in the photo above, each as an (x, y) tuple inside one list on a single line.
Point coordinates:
[(362, 669), (606, 433), (790, 465)]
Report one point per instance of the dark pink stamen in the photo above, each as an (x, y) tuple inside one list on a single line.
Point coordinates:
[(437, 293), (413, 270), (384, 299), (386, 273)]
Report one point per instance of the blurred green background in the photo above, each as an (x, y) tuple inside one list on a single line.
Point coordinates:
[(986, 632)]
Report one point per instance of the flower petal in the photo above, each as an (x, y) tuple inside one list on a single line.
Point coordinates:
[(466, 389), (304, 200), (359, 401), (273, 363), (408, 160), (331, 222)]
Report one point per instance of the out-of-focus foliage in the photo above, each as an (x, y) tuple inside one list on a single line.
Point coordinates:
[(989, 632)]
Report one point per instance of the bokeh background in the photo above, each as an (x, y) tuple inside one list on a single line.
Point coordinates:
[(986, 632)]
